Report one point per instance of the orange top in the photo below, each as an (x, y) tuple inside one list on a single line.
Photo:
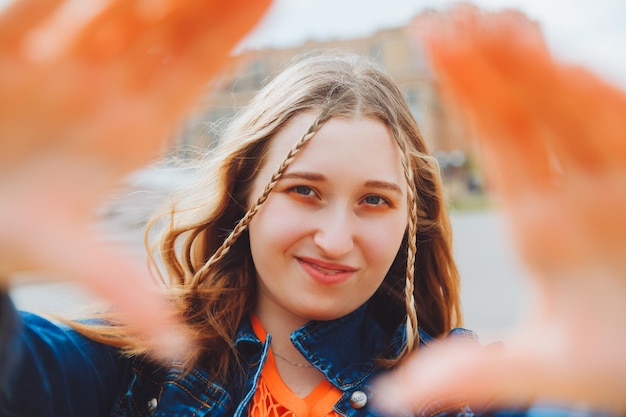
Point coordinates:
[(273, 398)]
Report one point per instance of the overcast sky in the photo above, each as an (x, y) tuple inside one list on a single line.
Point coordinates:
[(587, 32)]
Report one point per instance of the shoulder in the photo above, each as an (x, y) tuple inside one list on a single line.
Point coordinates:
[(172, 390), (456, 333)]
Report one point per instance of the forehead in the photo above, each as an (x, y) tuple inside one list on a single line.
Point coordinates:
[(342, 146)]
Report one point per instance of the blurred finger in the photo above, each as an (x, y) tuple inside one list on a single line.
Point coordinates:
[(560, 100), (123, 31), (199, 60), (511, 136), (125, 283), (57, 240), (586, 115), (116, 30), (121, 281), (53, 36), (19, 18), (442, 372), (189, 45), (495, 380)]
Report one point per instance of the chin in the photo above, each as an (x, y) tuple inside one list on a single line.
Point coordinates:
[(326, 315)]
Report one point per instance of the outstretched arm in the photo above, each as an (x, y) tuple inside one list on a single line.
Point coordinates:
[(554, 149)]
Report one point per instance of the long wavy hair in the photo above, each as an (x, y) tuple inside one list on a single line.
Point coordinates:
[(202, 250)]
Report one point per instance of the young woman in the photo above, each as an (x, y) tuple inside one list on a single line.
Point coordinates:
[(302, 261), (299, 280)]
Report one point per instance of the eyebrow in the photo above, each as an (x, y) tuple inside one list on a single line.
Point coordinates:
[(384, 185), (313, 176)]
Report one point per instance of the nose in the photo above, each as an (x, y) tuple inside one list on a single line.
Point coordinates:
[(334, 235)]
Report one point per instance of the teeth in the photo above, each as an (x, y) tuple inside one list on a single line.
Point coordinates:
[(327, 271)]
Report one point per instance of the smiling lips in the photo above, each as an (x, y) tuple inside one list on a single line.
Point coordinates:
[(325, 272)]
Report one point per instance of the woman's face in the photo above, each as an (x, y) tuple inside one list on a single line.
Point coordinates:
[(331, 228)]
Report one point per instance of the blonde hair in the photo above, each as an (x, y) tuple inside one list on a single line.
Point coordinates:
[(204, 248)]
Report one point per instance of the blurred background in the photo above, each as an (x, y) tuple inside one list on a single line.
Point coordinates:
[(581, 32)]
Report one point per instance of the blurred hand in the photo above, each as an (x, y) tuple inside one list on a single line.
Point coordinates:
[(90, 90), (554, 149)]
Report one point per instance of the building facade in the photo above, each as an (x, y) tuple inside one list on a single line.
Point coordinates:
[(393, 48)]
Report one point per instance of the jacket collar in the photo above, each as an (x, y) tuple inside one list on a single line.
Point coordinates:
[(344, 349)]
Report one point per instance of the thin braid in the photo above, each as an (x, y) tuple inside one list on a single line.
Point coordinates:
[(411, 319), (242, 225)]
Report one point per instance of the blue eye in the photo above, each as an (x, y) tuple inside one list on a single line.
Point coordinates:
[(375, 200), (303, 190)]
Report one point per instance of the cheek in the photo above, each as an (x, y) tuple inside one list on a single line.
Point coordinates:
[(383, 242), (274, 228)]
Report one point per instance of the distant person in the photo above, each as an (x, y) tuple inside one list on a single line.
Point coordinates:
[(315, 251)]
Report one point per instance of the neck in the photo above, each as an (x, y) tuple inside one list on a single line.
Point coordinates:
[(280, 326), (300, 379)]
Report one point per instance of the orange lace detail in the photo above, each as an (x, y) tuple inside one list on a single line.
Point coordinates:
[(273, 398)]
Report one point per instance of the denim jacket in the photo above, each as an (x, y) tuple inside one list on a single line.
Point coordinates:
[(50, 370), (47, 370)]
